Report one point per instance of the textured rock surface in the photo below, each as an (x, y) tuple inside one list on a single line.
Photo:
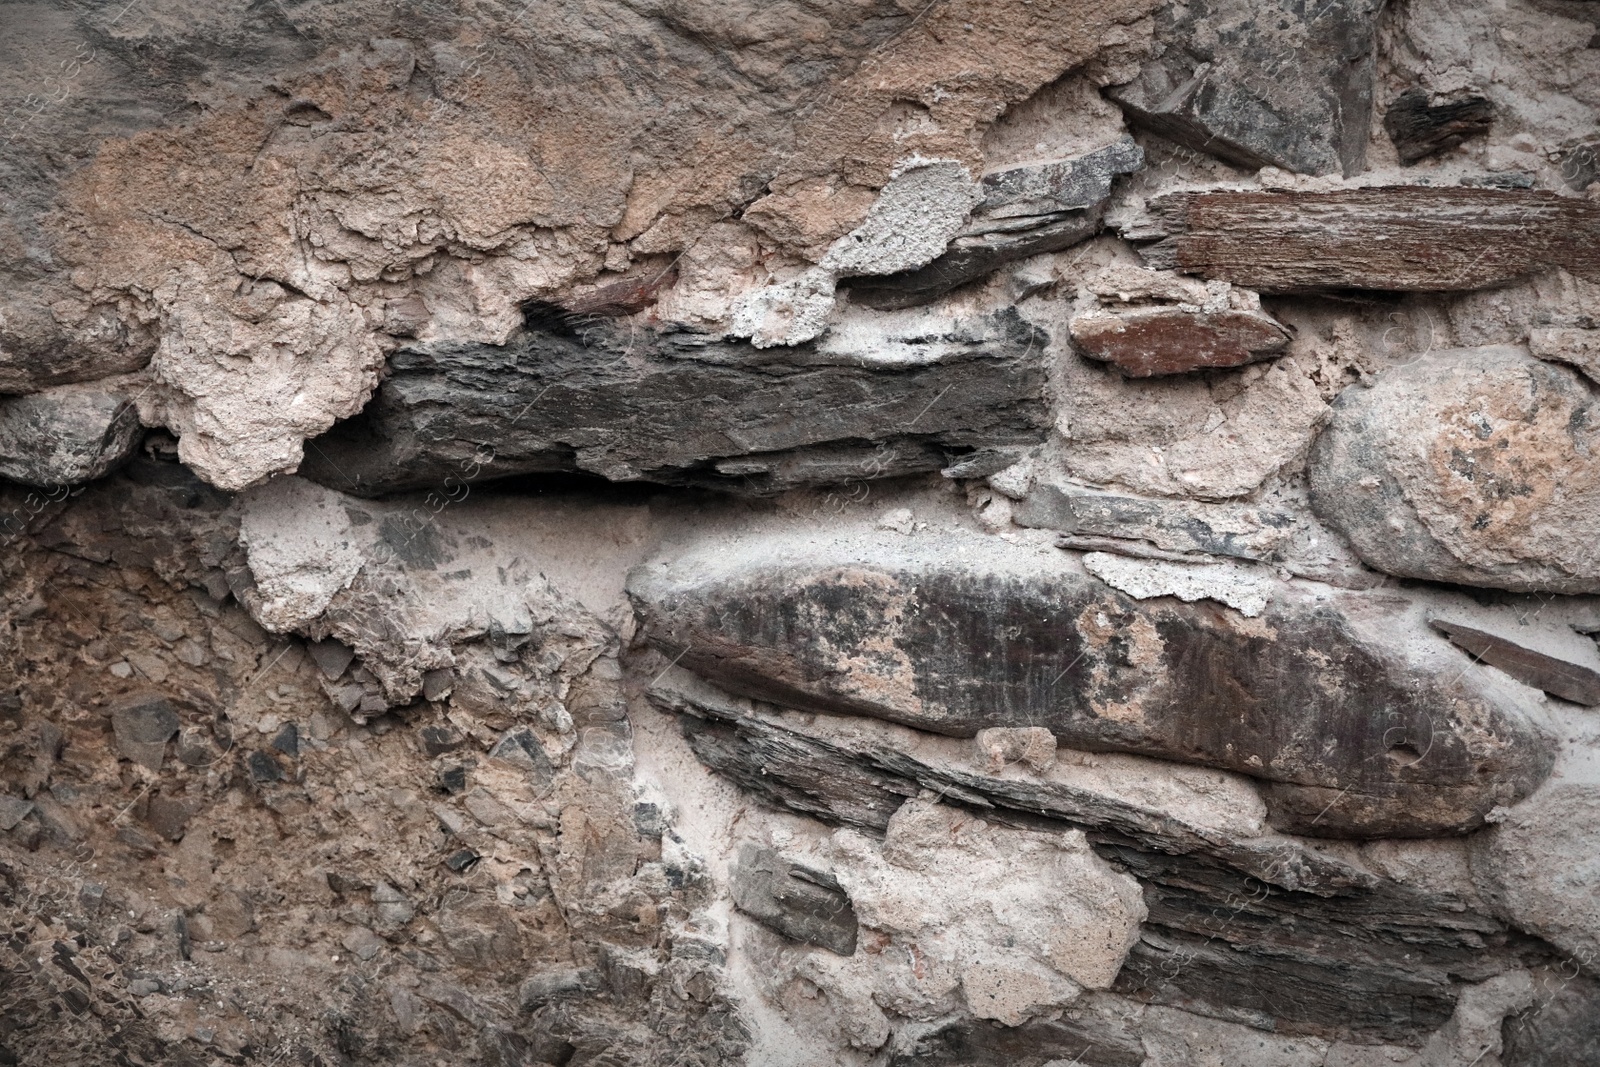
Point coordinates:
[(957, 638), (1406, 238), (1474, 466), (1107, 489), (685, 409), (67, 435), (1286, 85)]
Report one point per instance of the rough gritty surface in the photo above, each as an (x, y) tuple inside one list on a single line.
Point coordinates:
[(809, 533)]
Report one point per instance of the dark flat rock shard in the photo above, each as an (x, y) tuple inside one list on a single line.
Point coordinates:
[(1026, 211), (1553, 674), (1361, 730), (1264, 930), (683, 409), (1285, 83), (798, 902), (1420, 129), (1408, 238), (67, 435)]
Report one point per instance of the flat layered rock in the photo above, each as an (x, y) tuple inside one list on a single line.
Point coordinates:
[(1100, 520), (913, 393), (1475, 466), (1025, 210), (1282, 84), (1242, 925), (1420, 128), (67, 435), (1409, 238), (958, 637), (1564, 676)]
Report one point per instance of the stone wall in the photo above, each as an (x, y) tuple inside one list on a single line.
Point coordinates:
[(991, 532)]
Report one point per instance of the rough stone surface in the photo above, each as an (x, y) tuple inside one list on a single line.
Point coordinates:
[(796, 901), (1246, 592), (1286, 85), (1475, 466), (685, 409), (67, 435), (1143, 343), (1420, 128), (1540, 868), (954, 643)]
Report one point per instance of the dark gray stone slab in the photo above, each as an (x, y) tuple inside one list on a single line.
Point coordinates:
[(1285, 83), (1559, 677), (683, 409), (798, 902), (1080, 1036), (1361, 728), (67, 435), (1561, 1028), (142, 726)]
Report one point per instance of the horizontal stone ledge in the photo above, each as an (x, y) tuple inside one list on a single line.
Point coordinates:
[(1362, 729), (890, 395), (1244, 912), (1406, 238)]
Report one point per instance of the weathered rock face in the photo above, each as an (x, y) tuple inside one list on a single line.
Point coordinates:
[(685, 409), (1138, 618), (1287, 85), (68, 435), (933, 637), (1476, 466)]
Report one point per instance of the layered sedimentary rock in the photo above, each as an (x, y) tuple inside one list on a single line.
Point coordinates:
[(955, 638), (1406, 238), (1474, 466), (686, 409)]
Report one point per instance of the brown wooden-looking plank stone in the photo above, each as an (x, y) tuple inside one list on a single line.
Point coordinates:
[(1408, 238), (1146, 342), (1558, 677)]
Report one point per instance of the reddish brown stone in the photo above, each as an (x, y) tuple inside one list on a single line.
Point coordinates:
[(1146, 342), (1558, 677)]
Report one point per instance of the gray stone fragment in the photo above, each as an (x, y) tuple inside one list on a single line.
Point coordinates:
[(67, 435), (1562, 1027), (332, 657), (521, 748), (1571, 672), (558, 984), (142, 726), (1420, 128), (1244, 531), (13, 810), (1476, 466), (907, 396), (1285, 84), (1026, 211), (1540, 866), (798, 902), (1079, 1036)]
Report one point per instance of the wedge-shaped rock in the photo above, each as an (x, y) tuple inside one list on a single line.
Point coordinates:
[(1362, 729), (1558, 675), (912, 393), (1409, 238), (1026, 211), (67, 435), (1284, 83), (1477, 466), (798, 902)]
